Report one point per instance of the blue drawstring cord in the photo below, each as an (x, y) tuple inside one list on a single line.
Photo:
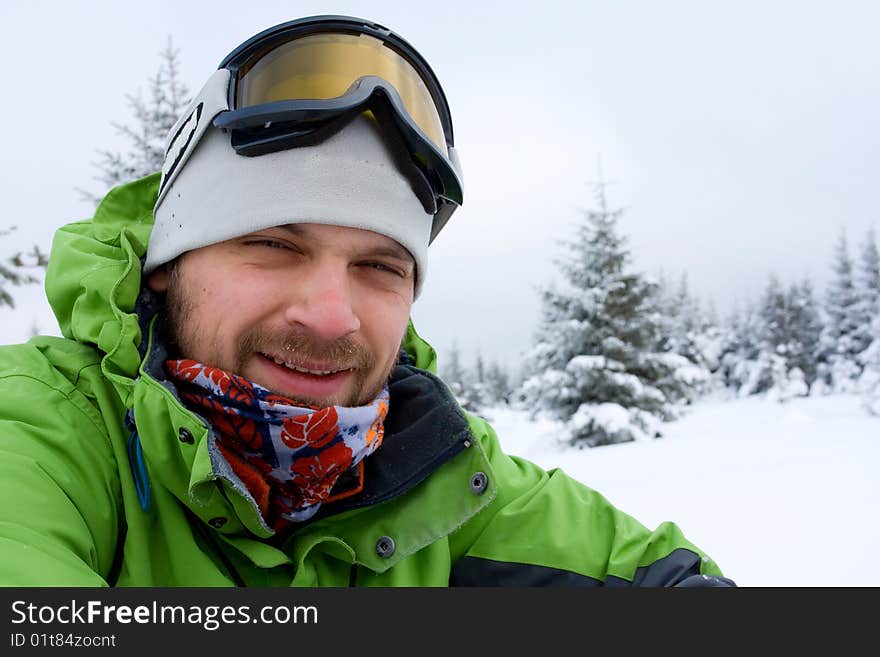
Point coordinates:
[(138, 467)]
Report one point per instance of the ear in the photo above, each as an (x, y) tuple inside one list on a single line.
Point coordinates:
[(157, 281)]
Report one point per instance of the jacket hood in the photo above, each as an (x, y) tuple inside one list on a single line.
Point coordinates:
[(94, 277)]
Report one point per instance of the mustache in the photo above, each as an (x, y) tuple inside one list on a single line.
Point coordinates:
[(342, 353)]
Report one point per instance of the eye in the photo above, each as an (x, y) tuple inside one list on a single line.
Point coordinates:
[(272, 244), (385, 268)]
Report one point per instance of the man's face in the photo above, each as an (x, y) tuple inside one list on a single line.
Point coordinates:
[(309, 311)]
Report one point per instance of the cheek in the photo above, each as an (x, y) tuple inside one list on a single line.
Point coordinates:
[(384, 325), (207, 328), (231, 297)]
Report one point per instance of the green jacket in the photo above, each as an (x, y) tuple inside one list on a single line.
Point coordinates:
[(106, 479)]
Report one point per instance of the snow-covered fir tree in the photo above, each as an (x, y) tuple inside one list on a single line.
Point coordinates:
[(742, 368), (153, 117), (677, 317), (869, 276), (460, 381), (840, 342), (498, 384), (787, 383), (477, 386), (594, 364), (685, 329), (770, 347), (869, 381), (780, 344), (805, 327), (866, 280), (709, 343), (774, 312), (774, 330), (704, 336), (788, 344), (868, 292)]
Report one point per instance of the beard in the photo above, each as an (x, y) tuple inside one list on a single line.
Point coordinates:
[(181, 334)]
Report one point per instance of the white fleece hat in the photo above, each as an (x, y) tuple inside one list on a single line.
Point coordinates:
[(210, 194)]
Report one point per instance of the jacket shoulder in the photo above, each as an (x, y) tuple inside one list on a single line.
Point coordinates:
[(70, 368)]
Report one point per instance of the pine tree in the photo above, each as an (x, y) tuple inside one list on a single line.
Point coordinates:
[(687, 330), (710, 344), (806, 328), (480, 393), (664, 304), (745, 364), (687, 314), (594, 362), (12, 271), (729, 351), (774, 312), (771, 348), (458, 380), (839, 342), (787, 382), (869, 280), (867, 290), (498, 384), (682, 332), (775, 339), (869, 382), (153, 118), (789, 340)]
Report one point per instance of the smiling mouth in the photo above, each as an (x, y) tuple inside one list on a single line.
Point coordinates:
[(313, 371)]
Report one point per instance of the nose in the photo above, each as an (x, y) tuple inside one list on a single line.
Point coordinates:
[(322, 301)]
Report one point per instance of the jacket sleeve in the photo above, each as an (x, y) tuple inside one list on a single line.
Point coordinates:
[(58, 485), (546, 529)]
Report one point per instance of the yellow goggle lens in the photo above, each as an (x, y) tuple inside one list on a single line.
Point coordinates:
[(324, 65)]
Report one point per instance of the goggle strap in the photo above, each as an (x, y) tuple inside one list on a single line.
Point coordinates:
[(400, 153), (444, 213)]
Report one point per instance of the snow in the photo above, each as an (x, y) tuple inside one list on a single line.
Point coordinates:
[(777, 494), (612, 417)]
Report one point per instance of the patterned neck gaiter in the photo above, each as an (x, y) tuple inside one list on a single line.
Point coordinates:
[(292, 459)]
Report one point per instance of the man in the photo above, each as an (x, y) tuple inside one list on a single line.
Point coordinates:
[(240, 397)]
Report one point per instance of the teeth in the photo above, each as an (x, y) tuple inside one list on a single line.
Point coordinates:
[(297, 368)]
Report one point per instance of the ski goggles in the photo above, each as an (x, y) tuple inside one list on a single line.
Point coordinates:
[(298, 83)]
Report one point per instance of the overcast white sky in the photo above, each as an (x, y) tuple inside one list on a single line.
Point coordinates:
[(740, 136)]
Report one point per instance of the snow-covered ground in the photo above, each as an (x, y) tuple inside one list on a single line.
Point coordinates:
[(778, 494)]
